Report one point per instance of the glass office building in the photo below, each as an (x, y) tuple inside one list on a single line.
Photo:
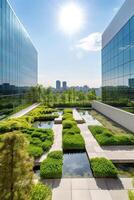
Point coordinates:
[(18, 58), (118, 56)]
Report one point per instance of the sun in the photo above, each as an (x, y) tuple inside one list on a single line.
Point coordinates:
[(71, 18)]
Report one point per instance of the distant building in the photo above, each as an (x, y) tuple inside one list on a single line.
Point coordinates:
[(131, 82), (58, 85), (64, 85)]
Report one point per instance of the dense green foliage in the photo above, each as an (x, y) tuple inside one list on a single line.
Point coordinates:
[(43, 113), (106, 137), (131, 195), (41, 192), (51, 167), (15, 124), (72, 139), (102, 167), (15, 167), (40, 140)]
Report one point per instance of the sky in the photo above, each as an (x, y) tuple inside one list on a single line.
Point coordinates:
[(75, 58)]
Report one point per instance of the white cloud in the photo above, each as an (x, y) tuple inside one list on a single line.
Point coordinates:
[(90, 43)]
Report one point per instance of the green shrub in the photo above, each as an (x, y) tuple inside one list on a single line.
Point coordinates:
[(35, 151), (131, 195), (102, 167), (105, 137), (56, 155), (46, 145), (71, 131), (41, 192), (51, 167), (14, 124), (36, 141), (68, 124), (68, 111), (73, 142)]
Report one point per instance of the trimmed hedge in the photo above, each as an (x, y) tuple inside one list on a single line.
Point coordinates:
[(103, 167), (51, 167), (72, 139), (40, 140), (70, 105), (73, 142), (43, 113), (105, 137), (41, 192)]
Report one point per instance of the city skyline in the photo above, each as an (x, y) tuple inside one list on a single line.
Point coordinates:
[(81, 51)]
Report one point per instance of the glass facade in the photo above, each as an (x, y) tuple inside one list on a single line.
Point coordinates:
[(18, 57), (118, 66)]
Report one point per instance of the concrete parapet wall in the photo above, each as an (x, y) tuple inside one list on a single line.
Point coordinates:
[(122, 117)]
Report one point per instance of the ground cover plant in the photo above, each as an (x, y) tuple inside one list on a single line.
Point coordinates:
[(40, 140), (43, 113), (105, 137), (51, 167), (40, 192), (15, 124), (72, 139), (103, 167)]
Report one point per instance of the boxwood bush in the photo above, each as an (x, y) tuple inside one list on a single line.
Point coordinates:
[(72, 139), (40, 140), (43, 113), (106, 137), (40, 192), (51, 167), (73, 142), (103, 167)]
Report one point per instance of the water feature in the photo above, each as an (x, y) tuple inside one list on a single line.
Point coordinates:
[(125, 170), (43, 124), (89, 119), (76, 165)]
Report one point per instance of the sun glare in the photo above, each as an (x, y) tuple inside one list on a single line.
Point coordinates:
[(71, 18)]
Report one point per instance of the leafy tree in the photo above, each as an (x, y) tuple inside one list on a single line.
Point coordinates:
[(15, 168)]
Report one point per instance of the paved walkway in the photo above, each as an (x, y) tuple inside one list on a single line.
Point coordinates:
[(57, 145), (24, 111), (92, 147), (77, 117), (90, 189)]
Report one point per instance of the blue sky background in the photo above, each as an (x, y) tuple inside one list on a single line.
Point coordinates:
[(58, 56)]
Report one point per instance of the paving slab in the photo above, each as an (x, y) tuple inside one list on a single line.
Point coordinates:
[(80, 184), (119, 194), (81, 195), (100, 195), (62, 195)]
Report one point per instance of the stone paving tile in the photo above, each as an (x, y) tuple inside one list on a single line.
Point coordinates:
[(119, 194), (127, 183), (114, 184), (63, 184), (100, 195), (96, 184), (81, 195), (80, 184), (62, 195)]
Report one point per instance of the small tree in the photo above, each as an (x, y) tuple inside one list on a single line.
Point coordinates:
[(15, 168)]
